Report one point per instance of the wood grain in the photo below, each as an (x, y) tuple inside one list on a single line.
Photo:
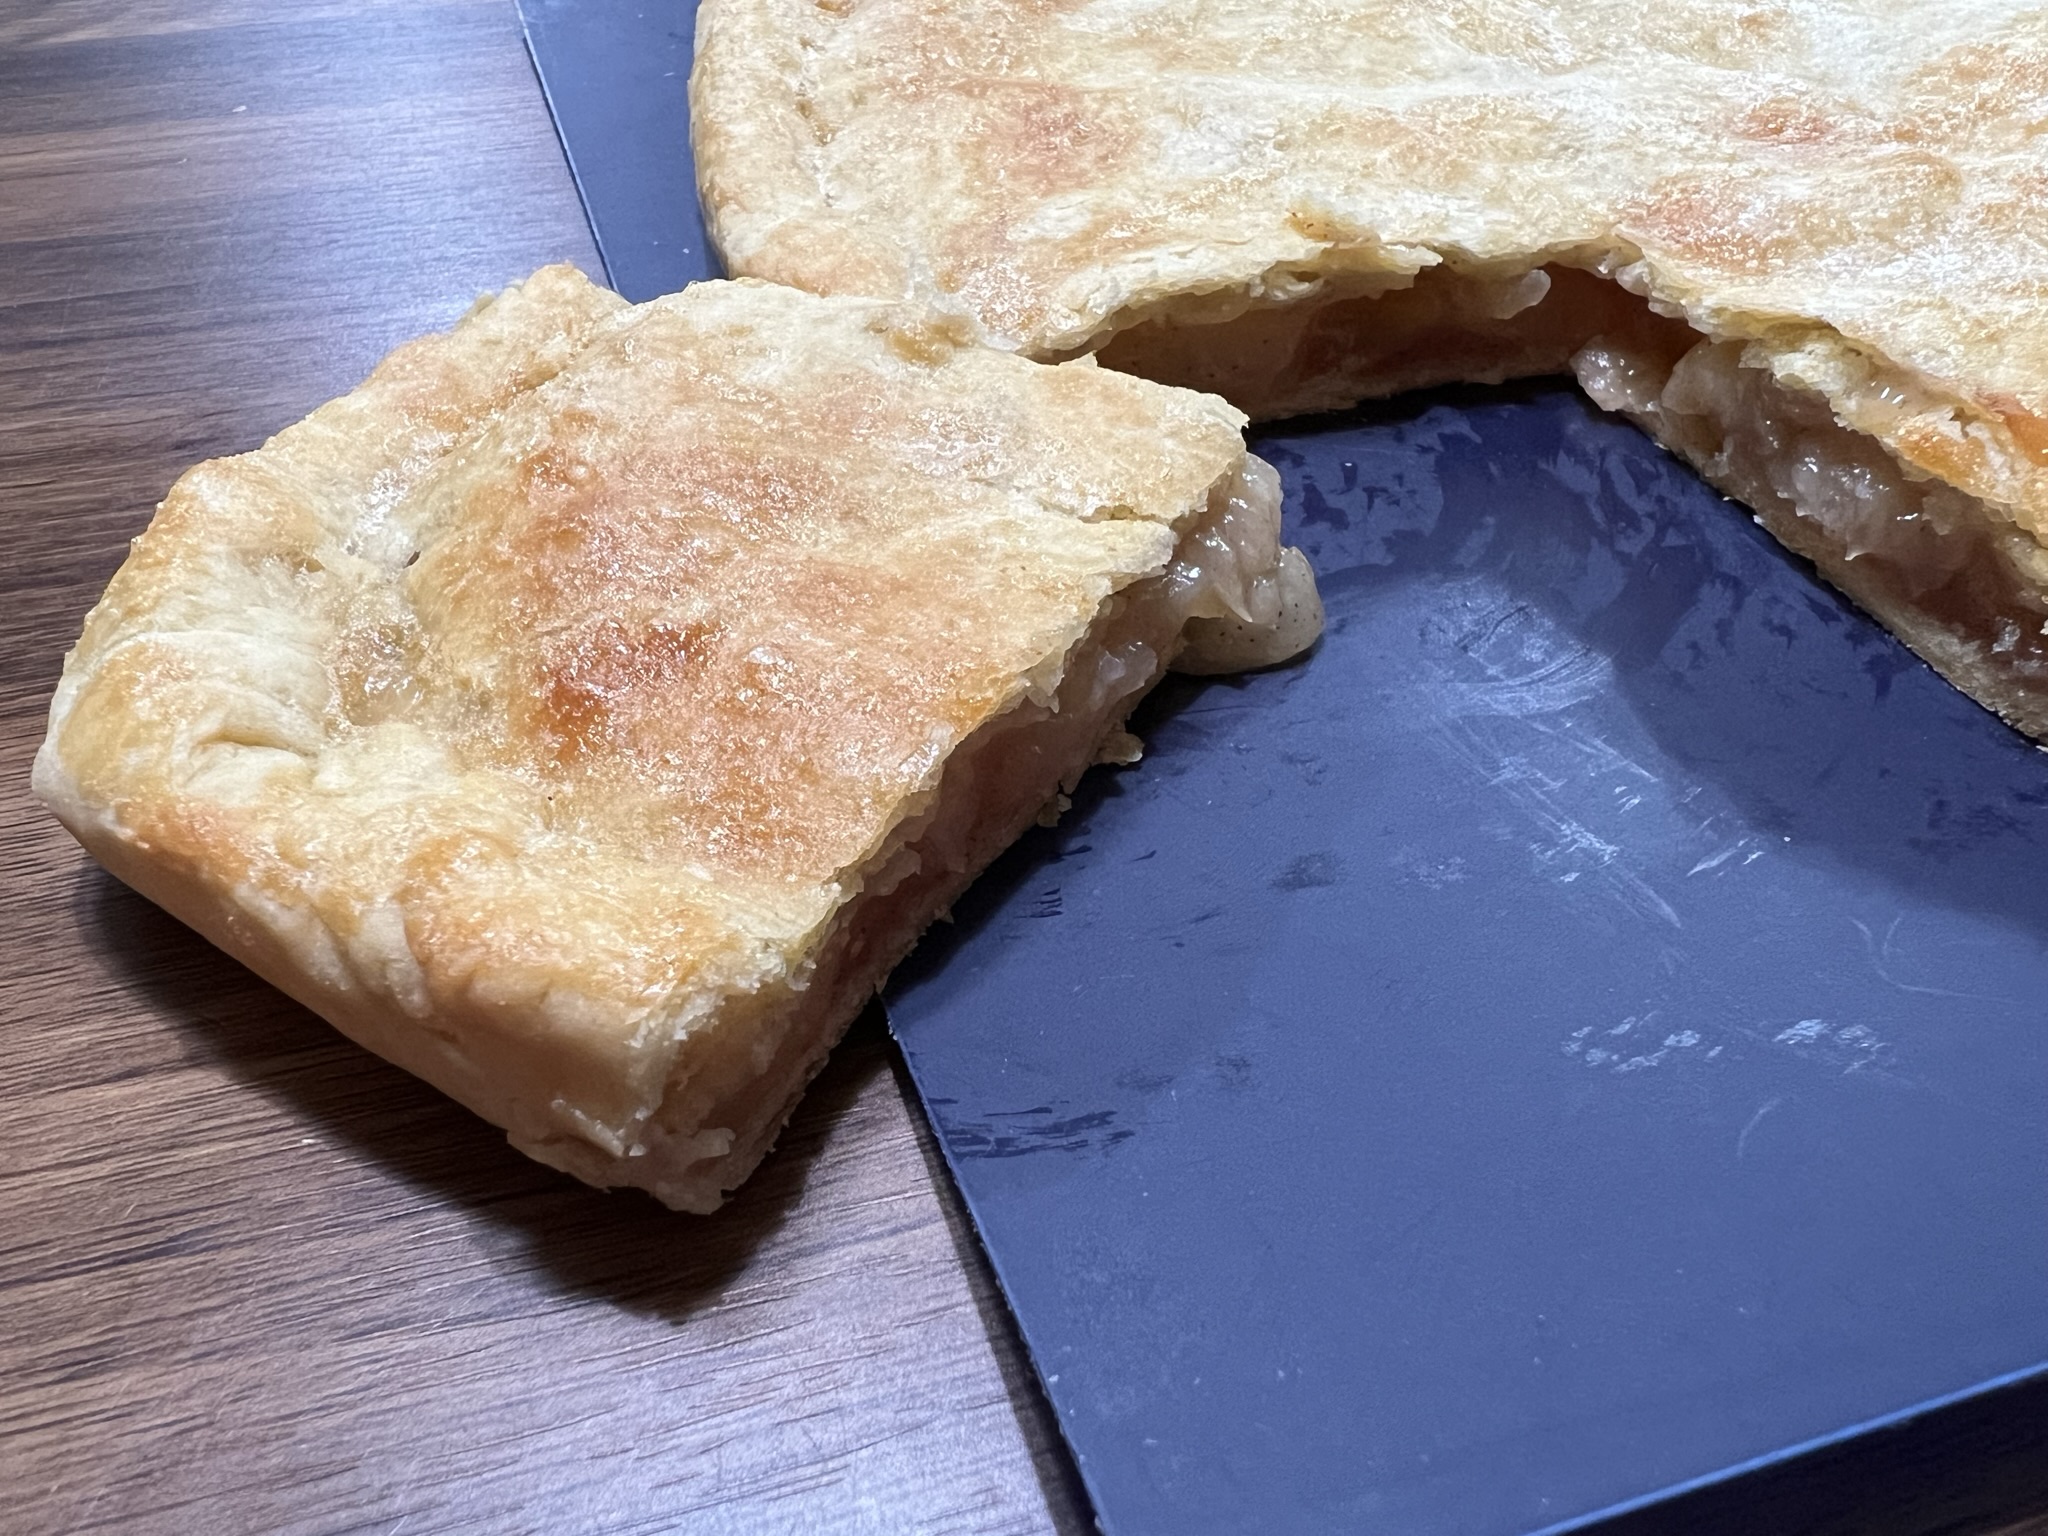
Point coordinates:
[(252, 1279)]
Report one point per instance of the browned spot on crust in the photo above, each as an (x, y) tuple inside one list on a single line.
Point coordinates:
[(1700, 220), (1976, 89), (1026, 142), (1740, 226), (925, 340), (1786, 120), (587, 677), (656, 519), (1033, 138), (1987, 79), (1941, 454), (2027, 429), (796, 734)]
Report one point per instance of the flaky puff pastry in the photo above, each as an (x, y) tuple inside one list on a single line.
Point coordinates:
[(588, 709), (1301, 203)]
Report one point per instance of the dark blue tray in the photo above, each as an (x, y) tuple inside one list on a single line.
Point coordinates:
[(1577, 1033), (1571, 1050), (616, 74)]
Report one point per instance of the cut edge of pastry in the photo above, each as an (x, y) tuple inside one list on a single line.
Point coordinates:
[(1873, 477)]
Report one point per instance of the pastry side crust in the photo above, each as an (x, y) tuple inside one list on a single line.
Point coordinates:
[(535, 711)]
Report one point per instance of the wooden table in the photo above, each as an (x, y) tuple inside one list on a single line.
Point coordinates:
[(252, 1279)]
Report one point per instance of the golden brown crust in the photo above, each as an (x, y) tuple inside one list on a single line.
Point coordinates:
[(1855, 188), (533, 705)]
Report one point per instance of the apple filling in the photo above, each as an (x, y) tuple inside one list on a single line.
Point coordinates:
[(1231, 598), (1951, 574), (1336, 347), (1954, 578)]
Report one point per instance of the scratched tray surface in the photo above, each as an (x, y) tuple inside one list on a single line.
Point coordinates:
[(1578, 1031)]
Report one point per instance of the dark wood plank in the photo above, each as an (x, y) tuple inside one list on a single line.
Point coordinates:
[(252, 1279)]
